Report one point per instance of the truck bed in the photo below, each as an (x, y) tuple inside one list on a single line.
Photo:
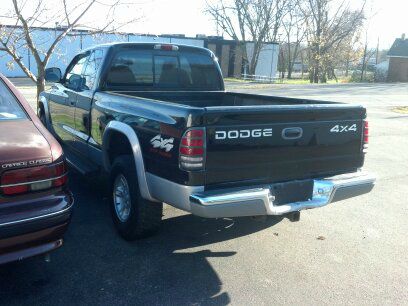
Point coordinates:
[(217, 99), (309, 138)]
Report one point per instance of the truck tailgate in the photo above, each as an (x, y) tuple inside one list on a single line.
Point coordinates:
[(267, 144)]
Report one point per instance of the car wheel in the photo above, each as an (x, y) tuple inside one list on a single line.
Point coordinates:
[(134, 216)]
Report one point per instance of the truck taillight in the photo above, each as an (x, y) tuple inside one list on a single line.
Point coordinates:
[(33, 179), (365, 136), (192, 149), (166, 47)]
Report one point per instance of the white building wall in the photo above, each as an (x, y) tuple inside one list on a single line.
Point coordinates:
[(267, 61), (71, 45)]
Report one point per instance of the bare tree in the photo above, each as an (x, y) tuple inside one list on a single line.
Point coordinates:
[(368, 53), (295, 32), (255, 21), (19, 35), (328, 23), (350, 53)]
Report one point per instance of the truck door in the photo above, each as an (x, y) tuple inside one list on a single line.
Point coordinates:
[(84, 102), (62, 100)]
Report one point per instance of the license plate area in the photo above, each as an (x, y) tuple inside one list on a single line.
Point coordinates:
[(290, 192)]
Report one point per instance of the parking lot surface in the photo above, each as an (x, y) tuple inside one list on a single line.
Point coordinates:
[(351, 252)]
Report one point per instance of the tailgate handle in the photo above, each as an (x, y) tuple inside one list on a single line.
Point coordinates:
[(292, 133)]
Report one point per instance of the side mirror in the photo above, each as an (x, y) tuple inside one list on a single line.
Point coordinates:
[(76, 82), (82, 84), (53, 75)]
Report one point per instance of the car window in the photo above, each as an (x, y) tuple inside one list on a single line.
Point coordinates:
[(10, 108), (73, 78), (92, 67), (133, 69)]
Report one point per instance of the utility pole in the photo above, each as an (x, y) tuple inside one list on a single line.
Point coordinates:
[(363, 66)]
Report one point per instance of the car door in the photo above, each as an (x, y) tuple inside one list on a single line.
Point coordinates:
[(62, 100), (84, 102)]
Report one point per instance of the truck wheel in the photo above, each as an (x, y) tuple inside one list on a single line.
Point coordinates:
[(134, 217)]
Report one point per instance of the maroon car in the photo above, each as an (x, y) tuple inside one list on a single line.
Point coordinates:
[(35, 203)]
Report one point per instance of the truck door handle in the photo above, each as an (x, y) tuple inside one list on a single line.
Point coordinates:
[(292, 133)]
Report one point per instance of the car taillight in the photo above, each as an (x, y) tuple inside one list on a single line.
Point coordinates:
[(33, 179), (365, 136), (192, 149)]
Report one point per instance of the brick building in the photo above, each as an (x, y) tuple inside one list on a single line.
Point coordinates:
[(398, 55)]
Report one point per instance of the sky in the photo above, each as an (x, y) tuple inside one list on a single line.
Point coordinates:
[(387, 19)]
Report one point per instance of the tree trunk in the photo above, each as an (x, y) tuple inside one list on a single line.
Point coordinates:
[(254, 58), (289, 62), (347, 67), (314, 78), (316, 72), (252, 67), (40, 81), (281, 61), (323, 77), (289, 70), (334, 75)]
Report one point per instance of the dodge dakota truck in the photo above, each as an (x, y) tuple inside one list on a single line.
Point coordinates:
[(157, 120)]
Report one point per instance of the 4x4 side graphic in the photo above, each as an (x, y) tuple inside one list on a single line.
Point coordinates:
[(160, 143)]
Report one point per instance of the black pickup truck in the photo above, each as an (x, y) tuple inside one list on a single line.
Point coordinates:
[(157, 119)]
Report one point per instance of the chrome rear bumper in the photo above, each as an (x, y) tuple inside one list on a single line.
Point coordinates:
[(260, 201), (255, 201)]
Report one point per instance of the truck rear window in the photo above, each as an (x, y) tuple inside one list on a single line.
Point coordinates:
[(9, 107), (141, 69)]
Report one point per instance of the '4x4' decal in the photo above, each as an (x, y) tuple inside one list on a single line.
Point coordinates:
[(160, 143)]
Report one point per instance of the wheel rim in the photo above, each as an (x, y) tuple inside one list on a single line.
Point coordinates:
[(121, 198)]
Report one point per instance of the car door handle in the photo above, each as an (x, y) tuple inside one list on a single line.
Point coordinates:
[(72, 103), (292, 133)]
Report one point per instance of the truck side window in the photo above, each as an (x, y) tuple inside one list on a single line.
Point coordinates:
[(92, 67), (73, 78)]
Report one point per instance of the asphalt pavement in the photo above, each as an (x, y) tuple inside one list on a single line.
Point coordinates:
[(352, 252)]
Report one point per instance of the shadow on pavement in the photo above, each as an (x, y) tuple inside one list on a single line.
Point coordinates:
[(95, 266)]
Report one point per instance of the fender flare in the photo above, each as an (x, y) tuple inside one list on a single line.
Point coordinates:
[(130, 134), (43, 100)]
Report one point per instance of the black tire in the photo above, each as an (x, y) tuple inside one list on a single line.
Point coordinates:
[(144, 217)]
